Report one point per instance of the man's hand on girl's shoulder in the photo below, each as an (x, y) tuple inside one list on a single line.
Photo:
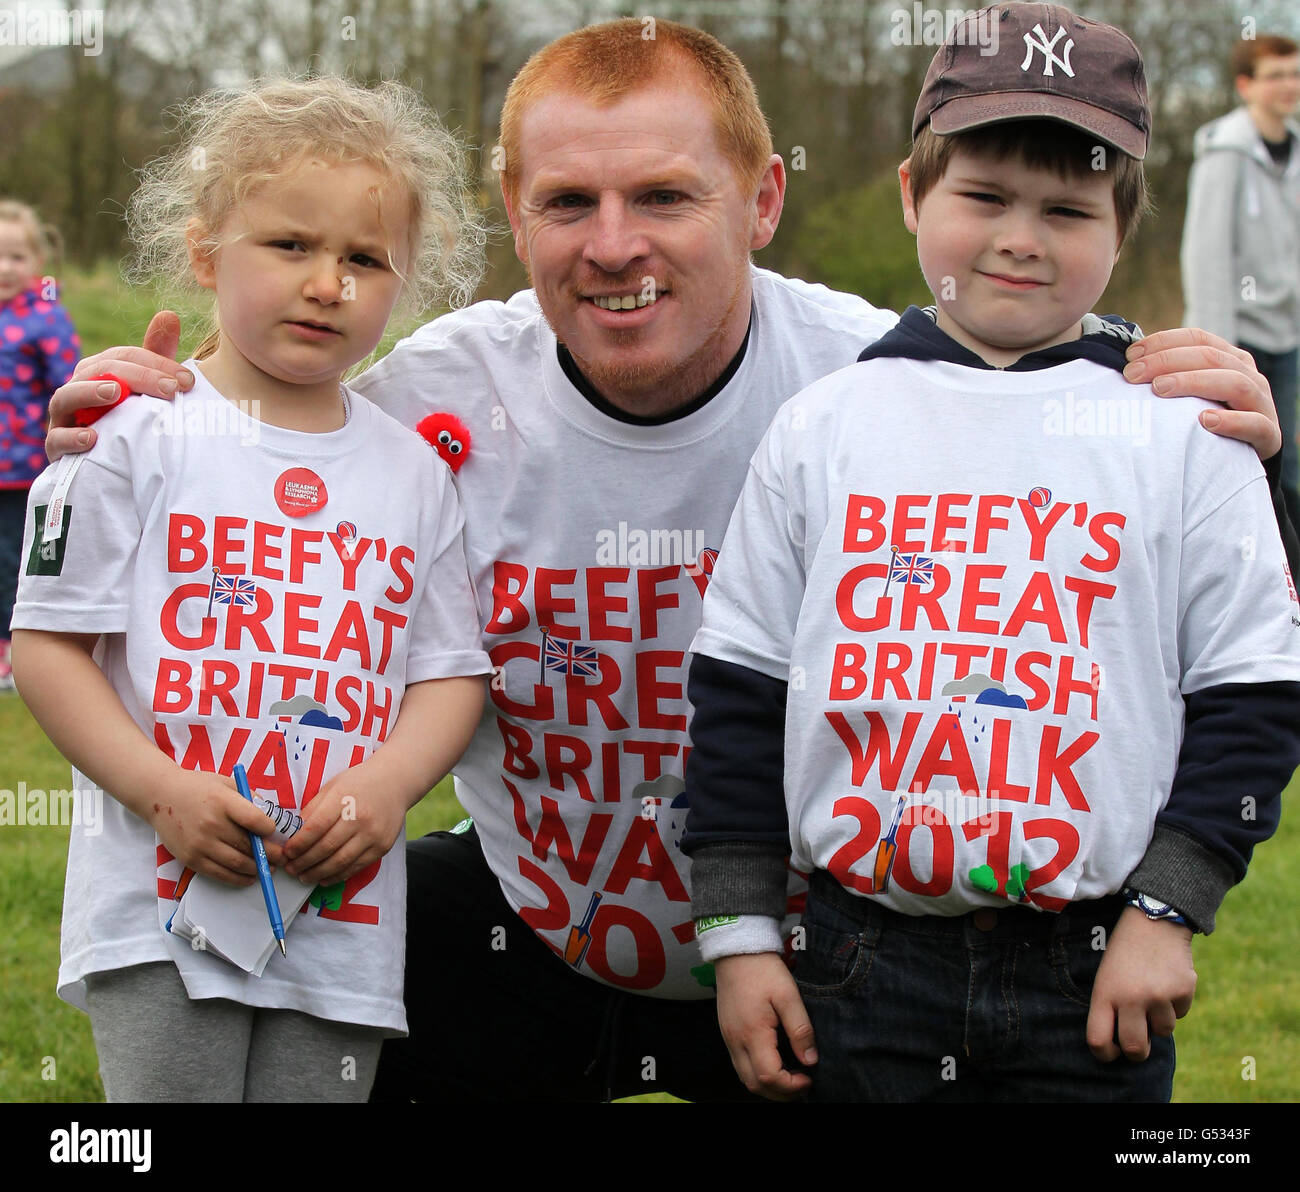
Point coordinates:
[(150, 369)]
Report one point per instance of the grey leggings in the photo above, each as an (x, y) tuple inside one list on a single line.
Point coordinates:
[(156, 1044)]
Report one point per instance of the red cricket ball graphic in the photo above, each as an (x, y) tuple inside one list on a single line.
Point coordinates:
[(448, 436)]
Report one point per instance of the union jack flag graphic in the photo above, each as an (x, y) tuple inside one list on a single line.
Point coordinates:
[(911, 569), (230, 589), (570, 658)]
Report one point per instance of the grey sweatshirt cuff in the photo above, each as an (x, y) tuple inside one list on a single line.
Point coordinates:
[(738, 878), (1182, 872), (744, 878)]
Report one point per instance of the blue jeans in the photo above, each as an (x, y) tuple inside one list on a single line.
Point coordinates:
[(1280, 369), (988, 1006)]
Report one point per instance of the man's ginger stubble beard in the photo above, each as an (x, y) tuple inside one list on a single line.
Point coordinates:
[(648, 390)]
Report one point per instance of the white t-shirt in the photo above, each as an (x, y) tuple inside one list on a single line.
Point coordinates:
[(604, 533), (267, 596), (988, 592)]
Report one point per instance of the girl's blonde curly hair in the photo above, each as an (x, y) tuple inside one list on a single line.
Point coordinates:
[(235, 141)]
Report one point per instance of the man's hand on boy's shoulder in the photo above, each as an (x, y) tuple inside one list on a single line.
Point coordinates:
[(1189, 362), (1145, 983), (758, 999), (150, 369)]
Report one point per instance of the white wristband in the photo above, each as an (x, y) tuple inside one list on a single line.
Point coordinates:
[(734, 935)]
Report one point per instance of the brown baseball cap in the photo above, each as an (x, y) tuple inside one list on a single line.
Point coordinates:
[(1027, 61)]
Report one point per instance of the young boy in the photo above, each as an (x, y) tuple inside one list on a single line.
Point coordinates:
[(996, 646)]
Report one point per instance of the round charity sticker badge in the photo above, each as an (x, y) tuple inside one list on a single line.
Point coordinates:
[(299, 491)]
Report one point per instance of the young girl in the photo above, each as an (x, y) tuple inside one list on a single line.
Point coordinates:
[(38, 351), (268, 572)]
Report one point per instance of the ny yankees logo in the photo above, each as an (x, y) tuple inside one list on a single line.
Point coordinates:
[(1048, 49)]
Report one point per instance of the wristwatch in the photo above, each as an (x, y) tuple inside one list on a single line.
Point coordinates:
[(1153, 908)]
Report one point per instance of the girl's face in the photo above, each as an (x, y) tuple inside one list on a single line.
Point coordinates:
[(307, 276), (20, 264)]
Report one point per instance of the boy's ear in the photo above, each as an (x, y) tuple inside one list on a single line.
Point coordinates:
[(201, 255), (905, 185)]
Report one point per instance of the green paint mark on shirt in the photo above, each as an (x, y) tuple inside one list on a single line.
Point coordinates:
[(983, 878)]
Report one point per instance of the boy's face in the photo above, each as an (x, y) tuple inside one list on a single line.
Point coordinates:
[(1275, 88), (1014, 256)]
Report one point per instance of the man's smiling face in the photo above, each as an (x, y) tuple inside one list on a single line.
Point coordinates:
[(636, 233)]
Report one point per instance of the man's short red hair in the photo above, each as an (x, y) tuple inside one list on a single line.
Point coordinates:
[(607, 61)]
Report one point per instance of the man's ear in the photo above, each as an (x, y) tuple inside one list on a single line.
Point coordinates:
[(771, 200), (201, 255), (511, 202), (905, 185)]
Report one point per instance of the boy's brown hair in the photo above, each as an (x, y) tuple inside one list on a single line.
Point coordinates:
[(1248, 51), (1041, 145)]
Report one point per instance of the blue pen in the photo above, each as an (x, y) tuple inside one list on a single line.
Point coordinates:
[(263, 867)]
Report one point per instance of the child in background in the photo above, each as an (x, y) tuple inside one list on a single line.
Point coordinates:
[(269, 571), (38, 351), (1003, 603)]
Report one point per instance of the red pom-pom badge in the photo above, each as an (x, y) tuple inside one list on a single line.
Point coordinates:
[(448, 436), (89, 415)]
